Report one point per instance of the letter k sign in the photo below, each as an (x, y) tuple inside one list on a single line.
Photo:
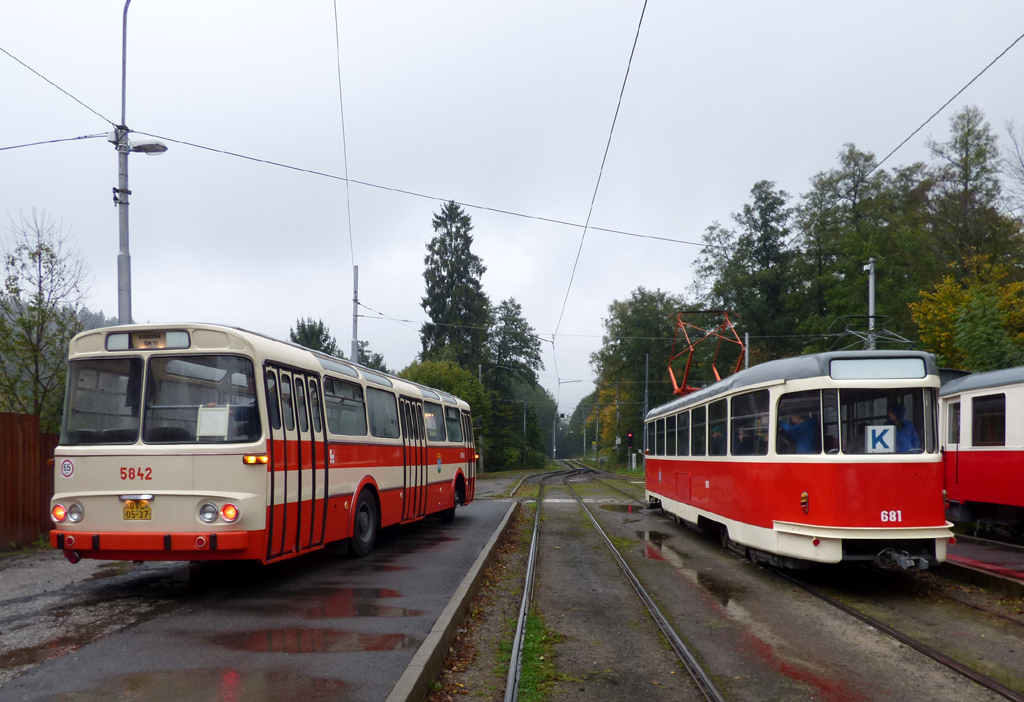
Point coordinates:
[(880, 439)]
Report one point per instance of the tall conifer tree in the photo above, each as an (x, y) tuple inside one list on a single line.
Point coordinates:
[(459, 310)]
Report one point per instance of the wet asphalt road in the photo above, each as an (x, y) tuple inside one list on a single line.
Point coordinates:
[(319, 627)]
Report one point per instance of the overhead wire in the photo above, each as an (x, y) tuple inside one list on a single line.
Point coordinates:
[(15, 58), (52, 141)]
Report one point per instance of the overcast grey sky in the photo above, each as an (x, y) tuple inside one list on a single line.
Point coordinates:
[(505, 105)]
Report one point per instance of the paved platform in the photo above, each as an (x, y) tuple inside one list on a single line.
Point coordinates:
[(987, 563)]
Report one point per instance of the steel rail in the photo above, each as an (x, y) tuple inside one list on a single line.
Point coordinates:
[(583, 467), (515, 663), (700, 676), (934, 654)]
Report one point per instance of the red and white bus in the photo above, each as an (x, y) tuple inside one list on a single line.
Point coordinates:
[(821, 458), (204, 442)]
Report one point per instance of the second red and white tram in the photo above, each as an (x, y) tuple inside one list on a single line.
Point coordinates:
[(821, 458), (982, 430), (204, 442)]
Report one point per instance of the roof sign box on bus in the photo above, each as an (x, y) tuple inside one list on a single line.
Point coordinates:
[(122, 341)]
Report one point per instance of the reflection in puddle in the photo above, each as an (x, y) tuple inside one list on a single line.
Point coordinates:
[(628, 509), (325, 602), (723, 590), (313, 641), (222, 685), (111, 570)]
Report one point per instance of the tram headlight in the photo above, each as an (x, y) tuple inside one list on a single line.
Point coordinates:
[(58, 513), (208, 512), (76, 512), (229, 512)]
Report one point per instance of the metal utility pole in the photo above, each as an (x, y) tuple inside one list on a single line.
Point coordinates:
[(643, 423), (355, 314), (870, 268), (746, 349)]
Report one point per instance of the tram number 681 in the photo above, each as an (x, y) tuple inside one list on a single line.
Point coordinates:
[(892, 515)]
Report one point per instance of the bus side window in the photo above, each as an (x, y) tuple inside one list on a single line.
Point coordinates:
[(300, 405), (314, 406), (286, 403), (273, 405)]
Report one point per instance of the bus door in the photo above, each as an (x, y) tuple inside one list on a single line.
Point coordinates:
[(414, 450), (297, 469), (470, 446)]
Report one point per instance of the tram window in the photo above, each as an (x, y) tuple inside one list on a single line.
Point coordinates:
[(749, 428), (718, 413), (988, 423), (670, 435), (452, 420), (698, 431), (433, 419), (346, 411), (649, 448), (953, 423), (103, 400), (683, 433), (314, 406), (659, 437), (273, 405), (830, 420), (931, 430), (286, 403), (300, 405), (799, 429), (905, 409), (383, 413), (210, 399)]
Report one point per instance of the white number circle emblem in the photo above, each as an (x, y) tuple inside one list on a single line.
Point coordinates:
[(67, 468)]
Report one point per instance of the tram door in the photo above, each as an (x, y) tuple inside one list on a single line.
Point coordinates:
[(469, 443), (297, 469), (414, 450)]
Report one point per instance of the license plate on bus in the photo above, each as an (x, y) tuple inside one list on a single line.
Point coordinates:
[(137, 509)]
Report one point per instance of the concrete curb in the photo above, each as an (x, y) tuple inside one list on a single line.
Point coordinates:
[(994, 582), (414, 685)]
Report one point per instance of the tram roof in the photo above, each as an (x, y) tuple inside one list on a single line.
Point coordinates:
[(978, 381), (796, 368)]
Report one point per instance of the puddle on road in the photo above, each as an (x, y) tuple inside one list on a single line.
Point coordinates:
[(326, 602), (313, 641), (222, 685), (723, 590), (112, 570)]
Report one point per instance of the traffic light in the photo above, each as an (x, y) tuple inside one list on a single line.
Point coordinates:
[(629, 439)]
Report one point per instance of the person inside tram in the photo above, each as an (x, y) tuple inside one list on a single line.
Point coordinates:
[(744, 444), (907, 439), (717, 447), (801, 432)]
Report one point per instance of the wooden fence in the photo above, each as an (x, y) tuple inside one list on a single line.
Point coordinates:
[(26, 481)]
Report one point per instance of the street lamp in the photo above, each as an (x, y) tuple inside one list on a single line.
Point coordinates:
[(119, 138)]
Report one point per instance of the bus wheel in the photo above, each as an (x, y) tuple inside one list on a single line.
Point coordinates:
[(364, 531)]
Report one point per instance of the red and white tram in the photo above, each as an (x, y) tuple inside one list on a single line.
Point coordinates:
[(203, 442), (982, 430), (821, 458)]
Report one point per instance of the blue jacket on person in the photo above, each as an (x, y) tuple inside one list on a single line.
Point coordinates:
[(907, 439), (803, 435)]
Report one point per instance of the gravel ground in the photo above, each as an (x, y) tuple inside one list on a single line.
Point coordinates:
[(762, 638)]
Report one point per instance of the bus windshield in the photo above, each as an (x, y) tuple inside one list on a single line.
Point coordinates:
[(103, 400), (200, 399)]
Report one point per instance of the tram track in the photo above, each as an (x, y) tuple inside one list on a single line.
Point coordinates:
[(925, 649), (700, 677)]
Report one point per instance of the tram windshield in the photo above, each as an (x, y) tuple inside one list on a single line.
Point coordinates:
[(189, 399), (857, 421)]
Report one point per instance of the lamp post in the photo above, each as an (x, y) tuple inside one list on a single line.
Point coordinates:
[(119, 138)]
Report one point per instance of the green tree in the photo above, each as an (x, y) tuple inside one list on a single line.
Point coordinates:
[(45, 281), (449, 377), (315, 335), (459, 311), (514, 349), (966, 223), (637, 329), (370, 359), (753, 272), (852, 213)]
